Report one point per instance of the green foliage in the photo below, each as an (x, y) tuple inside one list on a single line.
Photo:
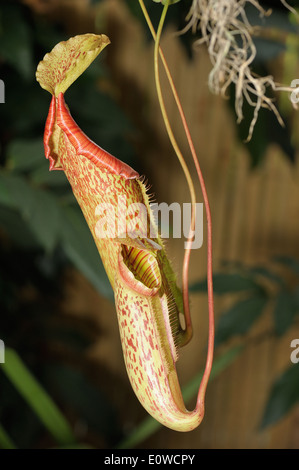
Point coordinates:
[(72, 387), (239, 318), (288, 304), (16, 48), (259, 288), (5, 440), (37, 398), (43, 232), (227, 282), (283, 396)]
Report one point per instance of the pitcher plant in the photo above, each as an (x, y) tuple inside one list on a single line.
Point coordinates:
[(116, 206)]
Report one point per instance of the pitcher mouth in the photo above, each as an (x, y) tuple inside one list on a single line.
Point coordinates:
[(140, 270)]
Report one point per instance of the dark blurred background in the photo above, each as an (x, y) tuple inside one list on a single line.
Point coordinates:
[(64, 382)]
